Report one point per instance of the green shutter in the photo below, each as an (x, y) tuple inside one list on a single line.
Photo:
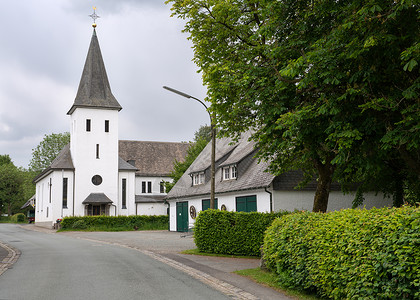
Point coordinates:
[(246, 203)]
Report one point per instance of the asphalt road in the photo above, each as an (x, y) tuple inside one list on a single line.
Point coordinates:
[(53, 266)]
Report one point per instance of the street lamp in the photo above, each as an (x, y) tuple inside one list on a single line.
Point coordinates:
[(213, 141)]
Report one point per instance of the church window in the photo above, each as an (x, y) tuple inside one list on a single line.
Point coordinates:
[(87, 124), (149, 187), (143, 187), (65, 187), (97, 180), (97, 151), (124, 193), (106, 125)]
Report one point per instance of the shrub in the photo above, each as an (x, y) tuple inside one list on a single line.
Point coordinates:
[(121, 222), (79, 224), (18, 218), (348, 254), (226, 232)]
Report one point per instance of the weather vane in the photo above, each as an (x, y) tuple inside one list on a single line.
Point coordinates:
[(94, 16)]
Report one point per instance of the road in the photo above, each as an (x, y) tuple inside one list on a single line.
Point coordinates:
[(53, 266)]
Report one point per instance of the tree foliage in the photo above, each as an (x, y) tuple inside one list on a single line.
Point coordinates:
[(329, 87), (47, 150), (11, 180), (201, 138)]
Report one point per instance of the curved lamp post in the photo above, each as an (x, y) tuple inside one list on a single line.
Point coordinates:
[(213, 141)]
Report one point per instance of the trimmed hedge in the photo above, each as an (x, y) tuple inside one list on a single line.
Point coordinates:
[(129, 222), (237, 233), (18, 218), (348, 254)]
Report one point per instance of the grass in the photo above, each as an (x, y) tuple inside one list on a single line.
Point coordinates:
[(197, 252), (270, 279)]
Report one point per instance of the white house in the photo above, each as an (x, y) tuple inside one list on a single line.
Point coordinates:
[(97, 173), (242, 184)]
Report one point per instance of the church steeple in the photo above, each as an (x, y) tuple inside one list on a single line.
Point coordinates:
[(94, 89)]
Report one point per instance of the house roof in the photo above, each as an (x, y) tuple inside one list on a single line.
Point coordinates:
[(150, 199), (97, 198), (251, 175), (94, 89), (152, 158)]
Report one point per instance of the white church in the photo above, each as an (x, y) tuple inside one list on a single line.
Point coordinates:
[(97, 173)]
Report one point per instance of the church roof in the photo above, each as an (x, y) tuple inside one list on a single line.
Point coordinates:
[(63, 161), (152, 158), (94, 89)]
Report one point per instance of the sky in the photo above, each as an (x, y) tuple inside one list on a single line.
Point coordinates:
[(43, 47)]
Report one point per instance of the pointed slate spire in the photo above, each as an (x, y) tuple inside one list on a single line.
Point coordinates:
[(94, 90)]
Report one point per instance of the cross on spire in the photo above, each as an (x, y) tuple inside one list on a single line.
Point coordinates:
[(94, 16)]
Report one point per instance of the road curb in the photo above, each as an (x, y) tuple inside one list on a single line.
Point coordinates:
[(12, 257)]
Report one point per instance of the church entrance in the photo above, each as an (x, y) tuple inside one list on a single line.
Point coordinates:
[(97, 209)]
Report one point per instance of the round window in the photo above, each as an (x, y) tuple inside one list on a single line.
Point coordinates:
[(96, 180)]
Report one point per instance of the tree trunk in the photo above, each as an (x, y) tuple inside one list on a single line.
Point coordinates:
[(325, 172)]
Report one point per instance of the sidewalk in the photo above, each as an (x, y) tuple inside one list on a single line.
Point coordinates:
[(166, 246)]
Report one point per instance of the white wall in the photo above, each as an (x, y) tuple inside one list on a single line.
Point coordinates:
[(49, 204), (152, 209), (303, 200), (228, 199), (155, 184), (83, 150), (130, 197)]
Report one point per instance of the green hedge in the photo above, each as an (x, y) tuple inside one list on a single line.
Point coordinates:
[(128, 222), (348, 254), (236, 233), (18, 218)]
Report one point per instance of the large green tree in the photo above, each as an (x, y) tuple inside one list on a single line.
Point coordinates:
[(330, 87), (47, 150), (11, 192)]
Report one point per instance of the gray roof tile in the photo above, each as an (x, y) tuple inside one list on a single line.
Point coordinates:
[(94, 89), (153, 158), (97, 198)]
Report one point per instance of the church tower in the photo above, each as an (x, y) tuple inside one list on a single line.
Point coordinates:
[(94, 138)]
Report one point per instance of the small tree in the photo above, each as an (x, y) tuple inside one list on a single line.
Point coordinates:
[(47, 150)]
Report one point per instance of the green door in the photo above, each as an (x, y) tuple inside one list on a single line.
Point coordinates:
[(246, 203), (182, 216)]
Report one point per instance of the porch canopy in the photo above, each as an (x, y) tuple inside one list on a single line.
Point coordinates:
[(96, 199)]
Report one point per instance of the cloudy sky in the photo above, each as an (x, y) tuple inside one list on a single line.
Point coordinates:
[(43, 48)]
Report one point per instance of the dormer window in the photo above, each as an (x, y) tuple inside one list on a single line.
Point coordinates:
[(230, 172), (198, 178)]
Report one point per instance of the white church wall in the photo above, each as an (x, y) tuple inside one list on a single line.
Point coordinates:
[(94, 152), (155, 182), (130, 207)]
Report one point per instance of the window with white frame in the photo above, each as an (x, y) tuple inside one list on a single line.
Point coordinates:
[(230, 172), (198, 178)]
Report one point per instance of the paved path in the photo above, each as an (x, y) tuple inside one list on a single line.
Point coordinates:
[(165, 246)]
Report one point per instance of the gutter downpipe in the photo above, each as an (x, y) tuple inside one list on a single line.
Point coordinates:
[(271, 198)]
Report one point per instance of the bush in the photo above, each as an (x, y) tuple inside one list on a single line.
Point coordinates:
[(236, 233), (349, 254), (120, 222), (18, 218), (79, 224)]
